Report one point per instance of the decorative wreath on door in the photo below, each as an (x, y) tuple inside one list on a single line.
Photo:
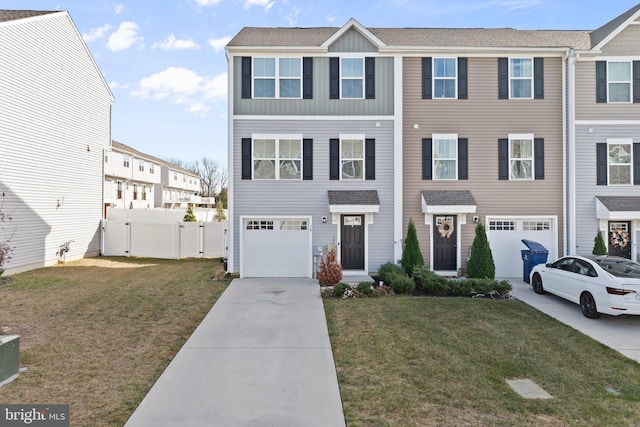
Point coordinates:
[(619, 238), (446, 228)]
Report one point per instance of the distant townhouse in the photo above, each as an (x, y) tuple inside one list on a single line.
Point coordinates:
[(55, 115), (345, 134), (135, 180)]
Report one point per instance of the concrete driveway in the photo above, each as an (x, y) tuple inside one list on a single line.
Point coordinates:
[(621, 333)]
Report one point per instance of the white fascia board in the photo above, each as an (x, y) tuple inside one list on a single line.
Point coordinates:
[(275, 50), (474, 51), (354, 208), (448, 209)]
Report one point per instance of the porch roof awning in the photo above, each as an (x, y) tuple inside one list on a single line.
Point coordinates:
[(618, 207), (448, 201), (353, 201)]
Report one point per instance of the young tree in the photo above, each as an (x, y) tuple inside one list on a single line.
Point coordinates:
[(411, 255), (330, 270), (480, 264), (220, 215), (599, 247), (189, 216)]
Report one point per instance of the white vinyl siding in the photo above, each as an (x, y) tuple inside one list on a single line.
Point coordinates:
[(54, 128)]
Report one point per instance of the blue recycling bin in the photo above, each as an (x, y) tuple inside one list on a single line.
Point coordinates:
[(534, 255)]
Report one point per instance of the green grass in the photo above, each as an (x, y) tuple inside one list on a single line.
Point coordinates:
[(97, 333), (407, 361)]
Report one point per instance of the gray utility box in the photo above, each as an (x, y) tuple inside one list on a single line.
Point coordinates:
[(9, 356)]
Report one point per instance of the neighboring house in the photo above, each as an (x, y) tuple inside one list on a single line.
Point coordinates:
[(55, 115), (314, 146), (135, 180), (532, 132), (604, 139)]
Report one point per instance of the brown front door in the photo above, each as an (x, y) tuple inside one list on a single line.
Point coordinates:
[(445, 249), (620, 239), (352, 242)]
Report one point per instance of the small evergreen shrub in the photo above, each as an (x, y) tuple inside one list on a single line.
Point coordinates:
[(428, 281), (411, 255), (364, 288), (599, 247), (480, 264), (459, 288), (330, 270), (402, 284), (220, 215), (386, 271), (340, 289), (189, 216)]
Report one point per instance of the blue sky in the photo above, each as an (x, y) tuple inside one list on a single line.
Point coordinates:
[(164, 59)]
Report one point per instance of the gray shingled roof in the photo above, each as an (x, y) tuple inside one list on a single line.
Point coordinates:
[(620, 203), (353, 197), (12, 15), (448, 198), (601, 33)]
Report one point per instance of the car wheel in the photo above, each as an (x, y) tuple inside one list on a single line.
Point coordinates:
[(588, 306), (536, 282)]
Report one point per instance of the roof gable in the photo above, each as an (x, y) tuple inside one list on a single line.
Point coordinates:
[(355, 25), (611, 29)]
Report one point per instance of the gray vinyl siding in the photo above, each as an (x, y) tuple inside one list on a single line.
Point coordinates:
[(586, 106), (483, 119), (586, 188), (320, 105), (266, 197), (352, 41), (54, 126), (625, 43)]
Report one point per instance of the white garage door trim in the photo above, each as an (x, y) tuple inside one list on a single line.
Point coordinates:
[(505, 239), (275, 246)]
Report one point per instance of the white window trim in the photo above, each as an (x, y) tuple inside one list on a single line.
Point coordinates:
[(511, 78), (434, 78), (620, 141), (277, 138), (276, 77), (361, 137), (528, 136), (440, 136), (629, 82), (342, 78)]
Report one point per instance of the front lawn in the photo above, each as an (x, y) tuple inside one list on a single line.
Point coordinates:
[(428, 361), (97, 333)]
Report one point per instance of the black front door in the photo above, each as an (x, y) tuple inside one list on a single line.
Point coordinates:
[(352, 242), (445, 251), (620, 239)]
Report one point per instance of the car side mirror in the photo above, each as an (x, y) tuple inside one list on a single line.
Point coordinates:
[(548, 265)]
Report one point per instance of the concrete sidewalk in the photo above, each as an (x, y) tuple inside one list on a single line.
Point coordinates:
[(261, 357), (621, 333)]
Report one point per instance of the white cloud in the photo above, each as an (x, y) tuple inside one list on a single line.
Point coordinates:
[(219, 44), (117, 8), (124, 37), (181, 86), (291, 17), (208, 2), (96, 33), (266, 4), (172, 43), (117, 85)]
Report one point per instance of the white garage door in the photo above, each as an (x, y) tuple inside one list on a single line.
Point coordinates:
[(276, 247), (505, 238)]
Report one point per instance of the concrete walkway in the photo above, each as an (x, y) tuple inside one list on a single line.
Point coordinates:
[(621, 333), (261, 357)]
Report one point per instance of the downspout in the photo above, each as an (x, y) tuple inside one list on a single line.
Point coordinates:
[(571, 249), (230, 233), (564, 151), (398, 150)]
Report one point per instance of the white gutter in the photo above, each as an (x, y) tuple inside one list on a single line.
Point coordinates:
[(564, 151), (571, 249), (230, 196), (398, 150)]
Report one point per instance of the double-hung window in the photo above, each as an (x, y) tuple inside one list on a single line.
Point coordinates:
[(125, 160), (619, 81), (277, 157), (521, 78), (352, 157), (141, 165), (619, 162), (521, 157), (444, 77), (277, 77), (352, 78), (445, 156)]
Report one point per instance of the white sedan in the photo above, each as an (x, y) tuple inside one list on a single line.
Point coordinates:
[(603, 284)]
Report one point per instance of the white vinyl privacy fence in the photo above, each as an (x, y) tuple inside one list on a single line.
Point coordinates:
[(170, 240)]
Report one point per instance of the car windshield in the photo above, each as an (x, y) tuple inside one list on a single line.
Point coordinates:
[(621, 268)]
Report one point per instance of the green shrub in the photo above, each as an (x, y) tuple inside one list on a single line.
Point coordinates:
[(599, 247), (386, 271), (411, 255), (402, 284), (428, 281), (480, 264), (189, 216), (459, 288), (340, 289), (364, 288)]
